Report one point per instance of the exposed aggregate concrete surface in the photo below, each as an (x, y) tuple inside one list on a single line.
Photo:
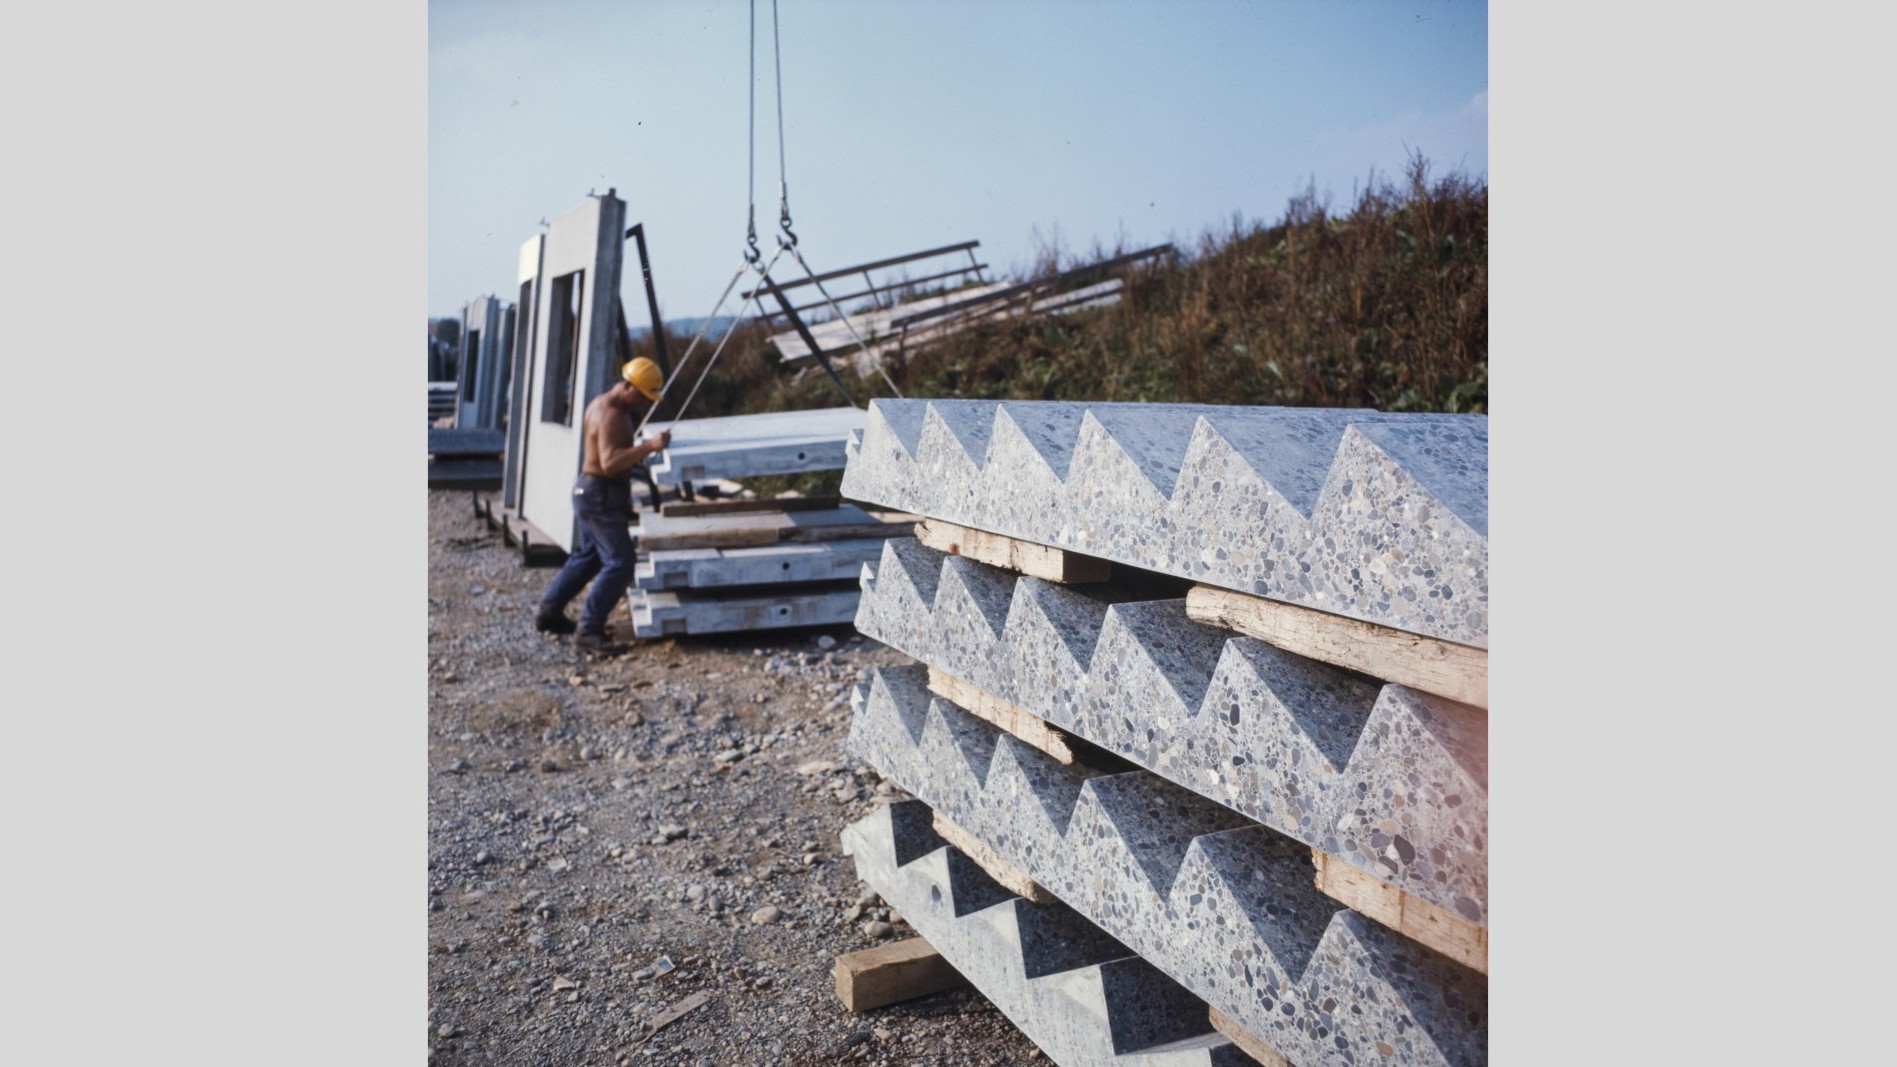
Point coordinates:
[(608, 839)]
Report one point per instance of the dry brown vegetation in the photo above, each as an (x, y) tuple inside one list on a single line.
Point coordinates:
[(1383, 306)]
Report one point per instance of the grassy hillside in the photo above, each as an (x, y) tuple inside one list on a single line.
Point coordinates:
[(1384, 306)]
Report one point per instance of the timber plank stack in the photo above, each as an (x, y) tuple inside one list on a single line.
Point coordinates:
[(1213, 679)]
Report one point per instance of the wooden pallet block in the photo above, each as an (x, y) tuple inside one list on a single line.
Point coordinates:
[(1248, 1044), (888, 974), (1010, 877), (734, 507), (1028, 728), (663, 532), (1417, 919), (536, 548), (1025, 557), (1455, 672)]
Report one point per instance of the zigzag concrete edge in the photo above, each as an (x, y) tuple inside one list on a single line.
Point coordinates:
[(1082, 997), (1377, 516), (1224, 906), (1389, 779)]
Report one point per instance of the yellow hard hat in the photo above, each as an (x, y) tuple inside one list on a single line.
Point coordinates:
[(644, 376)]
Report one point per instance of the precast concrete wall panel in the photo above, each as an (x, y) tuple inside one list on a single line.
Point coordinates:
[(1389, 779), (527, 278), (484, 366), (1379, 517), (749, 446), (581, 261)]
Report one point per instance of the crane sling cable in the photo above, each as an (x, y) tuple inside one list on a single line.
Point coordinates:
[(788, 239), (751, 257), (716, 352), (752, 253)]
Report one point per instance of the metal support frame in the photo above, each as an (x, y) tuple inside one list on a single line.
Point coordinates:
[(638, 233), (878, 294), (1033, 288), (803, 331)]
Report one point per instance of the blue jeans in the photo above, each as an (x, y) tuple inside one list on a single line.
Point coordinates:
[(602, 553)]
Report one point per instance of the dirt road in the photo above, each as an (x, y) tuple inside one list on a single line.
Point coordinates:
[(609, 839)]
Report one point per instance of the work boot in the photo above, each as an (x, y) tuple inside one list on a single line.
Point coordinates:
[(553, 623), (598, 644)]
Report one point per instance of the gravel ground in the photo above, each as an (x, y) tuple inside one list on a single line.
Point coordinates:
[(608, 838)]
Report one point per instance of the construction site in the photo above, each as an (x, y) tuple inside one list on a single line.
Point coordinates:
[(1084, 665)]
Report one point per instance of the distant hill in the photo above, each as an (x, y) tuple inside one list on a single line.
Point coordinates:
[(688, 327)]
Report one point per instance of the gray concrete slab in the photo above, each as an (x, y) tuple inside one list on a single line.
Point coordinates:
[(487, 327), (746, 446), (527, 277), (1081, 996), (1222, 905), (577, 270), (1389, 779), (713, 568), (668, 614), (1380, 517)]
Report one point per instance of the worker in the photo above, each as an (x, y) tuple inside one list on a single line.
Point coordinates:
[(602, 504)]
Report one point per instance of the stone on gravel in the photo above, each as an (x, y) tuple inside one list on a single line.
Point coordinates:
[(766, 914), (826, 642), (878, 929), (529, 962)]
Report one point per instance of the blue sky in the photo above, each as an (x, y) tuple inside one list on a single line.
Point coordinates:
[(910, 125)]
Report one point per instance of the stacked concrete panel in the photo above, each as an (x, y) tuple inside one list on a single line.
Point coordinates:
[(1215, 788), (1392, 780), (1083, 997), (1222, 905), (753, 569), (1374, 516), (723, 568), (748, 446), (470, 454), (526, 334), (487, 342)]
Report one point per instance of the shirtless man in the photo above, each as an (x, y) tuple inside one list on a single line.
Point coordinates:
[(602, 502)]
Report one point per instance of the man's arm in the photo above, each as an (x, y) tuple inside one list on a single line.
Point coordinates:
[(619, 454)]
